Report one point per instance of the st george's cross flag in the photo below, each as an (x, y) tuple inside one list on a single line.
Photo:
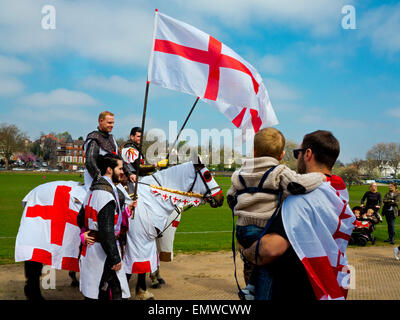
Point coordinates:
[(48, 232), (185, 59), (319, 225)]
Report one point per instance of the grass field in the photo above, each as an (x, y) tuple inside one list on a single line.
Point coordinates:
[(201, 229)]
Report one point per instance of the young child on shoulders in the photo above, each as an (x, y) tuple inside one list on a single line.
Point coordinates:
[(255, 208)]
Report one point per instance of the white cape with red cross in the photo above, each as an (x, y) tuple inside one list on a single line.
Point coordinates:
[(319, 225), (48, 232), (186, 59)]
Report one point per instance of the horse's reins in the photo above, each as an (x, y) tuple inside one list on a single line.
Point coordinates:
[(178, 211), (206, 195)]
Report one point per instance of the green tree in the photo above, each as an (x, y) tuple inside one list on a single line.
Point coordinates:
[(64, 135)]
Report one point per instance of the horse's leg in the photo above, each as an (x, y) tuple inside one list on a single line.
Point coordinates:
[(154, 281), (75, 282), (33, 271), (141, 288), (160, 280)]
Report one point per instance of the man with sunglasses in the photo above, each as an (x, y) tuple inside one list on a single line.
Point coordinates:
[(304, 247)]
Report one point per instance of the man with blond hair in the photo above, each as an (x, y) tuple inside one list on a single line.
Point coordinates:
[(100, 142)]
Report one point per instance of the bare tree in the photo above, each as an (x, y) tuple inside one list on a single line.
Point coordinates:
[(393, 156), (350, 175), (289, 159), (378, 153), (50, 151), (385, 154), (11, 140)]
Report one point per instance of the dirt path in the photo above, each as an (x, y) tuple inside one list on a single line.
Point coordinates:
[(209, 276)]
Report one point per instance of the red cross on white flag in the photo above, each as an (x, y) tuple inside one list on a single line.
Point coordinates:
[(186, 59), (48, 232)]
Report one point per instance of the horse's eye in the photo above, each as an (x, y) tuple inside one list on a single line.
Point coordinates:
[(207, 176)]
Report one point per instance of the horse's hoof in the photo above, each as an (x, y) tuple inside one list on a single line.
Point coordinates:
[(75, 283), (156, 286), (161, 281)]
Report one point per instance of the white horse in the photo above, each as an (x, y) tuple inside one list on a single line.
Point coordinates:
[(158, 196)]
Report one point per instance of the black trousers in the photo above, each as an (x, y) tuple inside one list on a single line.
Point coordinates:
[(110, 287), (33, 271), (390, 219)]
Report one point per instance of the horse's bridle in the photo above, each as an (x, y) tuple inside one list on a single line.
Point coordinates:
[(208, 197), (208, 194)]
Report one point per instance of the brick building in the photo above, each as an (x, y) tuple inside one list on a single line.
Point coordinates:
[(70, 154)]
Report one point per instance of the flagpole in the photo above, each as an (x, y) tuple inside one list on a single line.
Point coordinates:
[(184, 124), (141, 141)]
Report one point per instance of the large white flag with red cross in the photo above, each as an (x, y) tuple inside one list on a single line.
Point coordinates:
[(319, 225), (185, 59), (48, 232)]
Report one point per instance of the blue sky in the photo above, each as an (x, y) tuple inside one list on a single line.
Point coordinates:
[(318, 75)]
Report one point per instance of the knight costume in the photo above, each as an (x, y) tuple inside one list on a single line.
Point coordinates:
[(134, 161), (102, 214), (98, 143)]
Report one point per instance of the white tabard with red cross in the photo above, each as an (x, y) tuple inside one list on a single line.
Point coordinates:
[(48, 232), (319, 225), (93, 256)]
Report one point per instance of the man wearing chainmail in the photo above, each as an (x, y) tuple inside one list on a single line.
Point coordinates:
[(134, 159), (102, 273), (101, 142)]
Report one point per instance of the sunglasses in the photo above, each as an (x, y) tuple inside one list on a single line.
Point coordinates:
[(296, 152)]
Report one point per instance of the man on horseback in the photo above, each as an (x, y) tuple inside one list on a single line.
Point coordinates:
[(102, 274), (134, 161), (101, 142)]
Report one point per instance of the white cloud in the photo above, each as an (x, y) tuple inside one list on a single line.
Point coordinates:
[(103, 31), (59, 98), (272, 64), (280, 91), (381, 25), (395, 112), (10, 86), (114, 84), (318, 116), (122, 86), (12, 65), (121, 32), (320, 17)]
